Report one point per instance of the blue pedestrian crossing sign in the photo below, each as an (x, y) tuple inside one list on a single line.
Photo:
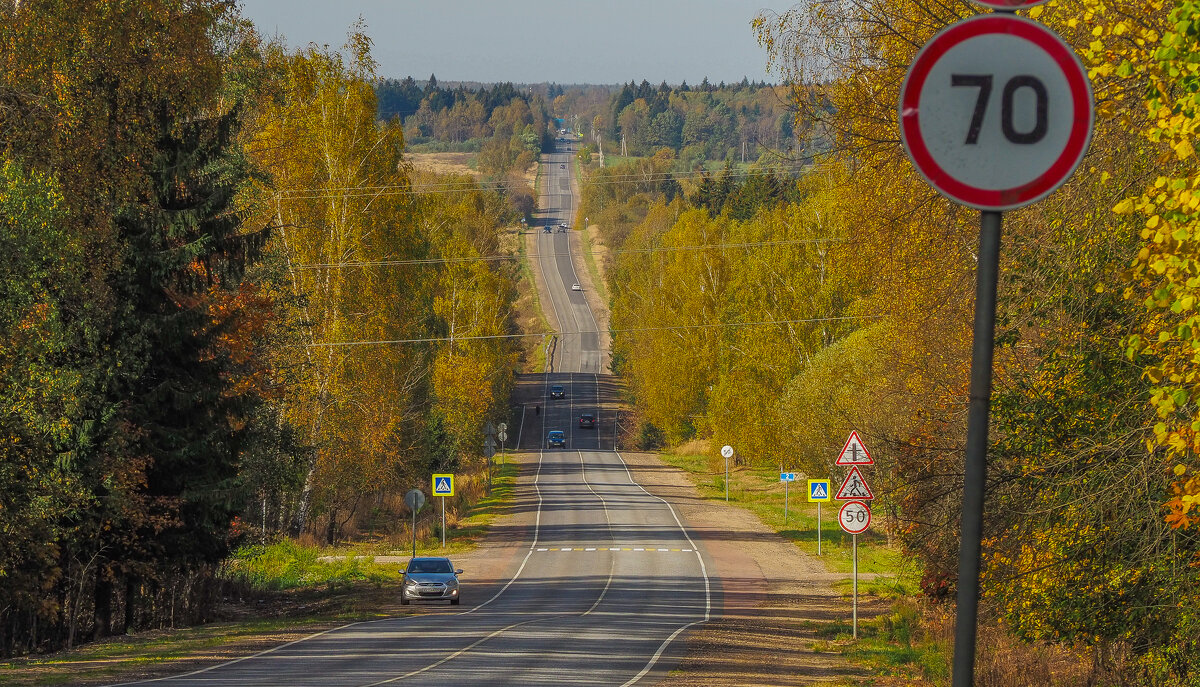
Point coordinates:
[(818, 490), (443, 484)]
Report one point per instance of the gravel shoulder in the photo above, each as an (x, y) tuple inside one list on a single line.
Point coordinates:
[(774, 597)]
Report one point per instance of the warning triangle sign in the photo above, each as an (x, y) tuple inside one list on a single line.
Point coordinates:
[(854, 452), (854, 488)]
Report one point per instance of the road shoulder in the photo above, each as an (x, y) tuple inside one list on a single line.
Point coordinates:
[(774, 597)]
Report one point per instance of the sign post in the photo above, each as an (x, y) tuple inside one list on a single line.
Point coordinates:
[(993, 154), (727, 453), (818, 490), (787, 478), (443, 486), (414, 499), (855, 518)]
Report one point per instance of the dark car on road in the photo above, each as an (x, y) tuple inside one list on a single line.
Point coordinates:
[(429, 579), (587, 420), (556, 438), (557, 391)]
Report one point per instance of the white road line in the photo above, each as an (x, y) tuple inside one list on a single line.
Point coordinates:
[(703, 570), (454, 655)]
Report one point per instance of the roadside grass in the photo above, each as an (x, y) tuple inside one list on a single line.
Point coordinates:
[(537, 355), (760, 491), (306, 588), (895, 645), (288, 564), (115, 657)]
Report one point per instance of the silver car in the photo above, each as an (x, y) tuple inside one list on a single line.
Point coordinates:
[(429, 579)]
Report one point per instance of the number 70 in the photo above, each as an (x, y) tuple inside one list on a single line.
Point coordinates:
[(984, 83)]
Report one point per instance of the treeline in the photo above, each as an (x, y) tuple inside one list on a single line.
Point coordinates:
[(742, 122), (507, 127), (848, 302), (226, 308)]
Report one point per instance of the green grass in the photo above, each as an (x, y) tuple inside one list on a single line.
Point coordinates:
[(759, 491), (526, 270), (345, 590), (893, 645), (118, 655)]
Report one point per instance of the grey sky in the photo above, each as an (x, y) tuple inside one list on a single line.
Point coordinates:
[(530, 41)]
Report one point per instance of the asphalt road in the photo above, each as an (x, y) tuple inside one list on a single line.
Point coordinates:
[(609, 582)]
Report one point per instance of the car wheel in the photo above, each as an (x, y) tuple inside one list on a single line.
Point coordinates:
[(454, 601), (403, 598)]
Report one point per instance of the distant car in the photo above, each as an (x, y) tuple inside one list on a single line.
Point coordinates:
[(562, 225), (557, 391), (556, 438), (576, 287), (587, 420), (429, 579), (562, 166), (549, 229)]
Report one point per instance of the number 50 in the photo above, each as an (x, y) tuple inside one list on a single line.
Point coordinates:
[(984, 83)]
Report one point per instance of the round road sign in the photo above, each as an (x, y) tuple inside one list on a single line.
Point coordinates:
[(996, 112), (414, 499), (502, 436), (726, 451), (855, 517), (1009, 5)]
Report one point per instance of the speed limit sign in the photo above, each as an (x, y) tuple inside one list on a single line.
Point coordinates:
[(996, 112), (855, 517)]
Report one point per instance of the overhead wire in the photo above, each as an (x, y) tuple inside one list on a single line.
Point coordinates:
[(494, 258), (712, 325)]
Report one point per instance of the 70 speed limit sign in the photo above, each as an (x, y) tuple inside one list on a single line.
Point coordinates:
[(996, 112)]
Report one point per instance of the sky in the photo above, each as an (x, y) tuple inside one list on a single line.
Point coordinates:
[(532, 41)]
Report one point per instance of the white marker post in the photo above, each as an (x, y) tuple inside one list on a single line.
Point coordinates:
[(727, 453)]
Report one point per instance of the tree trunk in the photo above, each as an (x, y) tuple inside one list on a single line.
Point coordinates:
[(305, 496), (102, 613), (131, 599)]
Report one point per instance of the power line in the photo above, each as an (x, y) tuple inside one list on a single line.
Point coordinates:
[(494, 258), (442, 339), (484, 186)]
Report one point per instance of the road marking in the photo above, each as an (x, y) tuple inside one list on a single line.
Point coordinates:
[(703, 570), (589, 549), (541, 549), (454, 655)]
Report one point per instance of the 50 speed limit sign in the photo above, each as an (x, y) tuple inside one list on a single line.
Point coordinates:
[(996, 112), (855, 517)]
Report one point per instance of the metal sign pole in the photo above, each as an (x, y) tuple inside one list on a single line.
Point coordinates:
[(854, 538), (975, 473), (414, 531), (785, 501), (727, 479), (818, 528)]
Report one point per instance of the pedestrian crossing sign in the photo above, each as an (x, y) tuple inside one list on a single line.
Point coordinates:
[(818, 490), (443, 485)]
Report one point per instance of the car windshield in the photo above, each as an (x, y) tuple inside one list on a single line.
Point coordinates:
[(556, 435), (430, 566), (556, 388), (585, 417)]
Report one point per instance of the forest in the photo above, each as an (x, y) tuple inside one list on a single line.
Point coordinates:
[(776, 315), (229, 310)]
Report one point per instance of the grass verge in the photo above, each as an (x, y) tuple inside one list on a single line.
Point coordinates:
[(759, 491), (298, 590)]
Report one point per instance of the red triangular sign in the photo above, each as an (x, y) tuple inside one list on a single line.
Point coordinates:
[(854, 488), (854, 453)]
